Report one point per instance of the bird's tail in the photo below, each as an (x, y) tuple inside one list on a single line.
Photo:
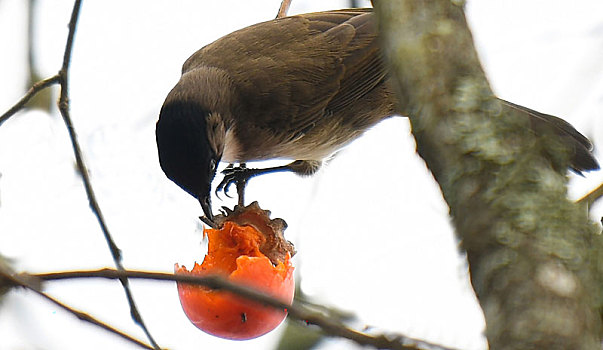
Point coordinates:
[(582, 158)]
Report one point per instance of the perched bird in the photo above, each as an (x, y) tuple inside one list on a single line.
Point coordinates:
[(298, 88)]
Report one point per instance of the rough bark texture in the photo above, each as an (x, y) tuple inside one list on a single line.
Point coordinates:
[(530, 249)]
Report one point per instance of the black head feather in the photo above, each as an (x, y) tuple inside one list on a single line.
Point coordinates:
[(184, 151)]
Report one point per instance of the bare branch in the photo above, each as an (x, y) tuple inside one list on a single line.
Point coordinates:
[(62, 78), (282, 11), (592, 196), (26, 282), (297, 310), (35, 89), (87, 318), (64, 109)]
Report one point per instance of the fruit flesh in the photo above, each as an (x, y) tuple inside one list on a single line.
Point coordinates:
[(233, 252)]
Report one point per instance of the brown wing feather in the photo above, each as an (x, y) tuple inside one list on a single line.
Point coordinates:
[(364, 68), (323, 77)]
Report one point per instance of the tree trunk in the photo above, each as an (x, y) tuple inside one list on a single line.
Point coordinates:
[(531, 251)]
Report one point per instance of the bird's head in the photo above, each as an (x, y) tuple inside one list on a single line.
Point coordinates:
[(187, 154), (191, 132)]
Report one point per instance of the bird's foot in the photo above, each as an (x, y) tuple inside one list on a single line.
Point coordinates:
[(238, 176), (241, 174)]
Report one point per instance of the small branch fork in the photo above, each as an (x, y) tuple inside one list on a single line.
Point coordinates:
[(297, 310), (592, 196), (62, 78), (37, 87)]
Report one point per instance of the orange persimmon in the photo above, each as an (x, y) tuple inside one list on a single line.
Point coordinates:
[(234, 251)]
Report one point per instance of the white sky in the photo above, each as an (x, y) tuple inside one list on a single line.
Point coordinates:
[(371, 228)]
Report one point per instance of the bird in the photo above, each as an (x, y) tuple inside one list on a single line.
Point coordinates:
[(297, 88)]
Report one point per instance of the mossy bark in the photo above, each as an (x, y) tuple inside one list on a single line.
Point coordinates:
[(531, 251)]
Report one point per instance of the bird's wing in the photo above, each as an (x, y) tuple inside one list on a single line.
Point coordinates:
[(292, 71), (363, 64)]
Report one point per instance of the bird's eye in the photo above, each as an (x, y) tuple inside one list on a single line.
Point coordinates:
[(212, 165)]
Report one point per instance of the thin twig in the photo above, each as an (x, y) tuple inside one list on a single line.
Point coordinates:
[(62, 78), (25, 281), (36, 88), (592, 196), (30, 37), (282, 11), (81, 165), (297, 310), (87, 318)]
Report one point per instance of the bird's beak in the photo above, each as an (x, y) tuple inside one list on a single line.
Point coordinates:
[(205, 201)]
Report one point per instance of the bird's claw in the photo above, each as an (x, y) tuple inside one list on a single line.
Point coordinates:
[(234, 175), (231, 176), (221, 185)]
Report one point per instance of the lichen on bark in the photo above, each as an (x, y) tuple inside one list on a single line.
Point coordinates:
[(532, 259)]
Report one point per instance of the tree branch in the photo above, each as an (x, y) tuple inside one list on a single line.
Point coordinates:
[(592, 196), (32, 283), (62, 78), (81, 165), (284, 8), (529, 249), (297, 310), (34, 90), (87, 318)]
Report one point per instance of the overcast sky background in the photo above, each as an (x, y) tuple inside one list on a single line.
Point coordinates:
[(371, 229)]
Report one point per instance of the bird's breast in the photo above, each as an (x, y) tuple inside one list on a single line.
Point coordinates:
[(253, 145), (232, 148)]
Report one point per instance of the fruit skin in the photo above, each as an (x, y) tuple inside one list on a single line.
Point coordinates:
[(233, 252)]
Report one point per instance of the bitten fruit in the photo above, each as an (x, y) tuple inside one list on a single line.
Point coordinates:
[(248, 249)]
